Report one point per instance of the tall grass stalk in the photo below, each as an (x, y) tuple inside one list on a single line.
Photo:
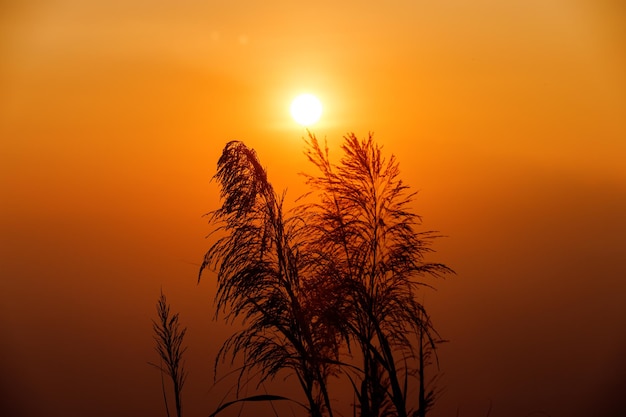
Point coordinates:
[(169, 344)]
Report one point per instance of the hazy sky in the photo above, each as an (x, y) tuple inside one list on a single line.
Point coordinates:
[(509, 117)]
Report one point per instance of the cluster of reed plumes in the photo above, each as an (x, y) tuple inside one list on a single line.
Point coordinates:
[(329, 288)]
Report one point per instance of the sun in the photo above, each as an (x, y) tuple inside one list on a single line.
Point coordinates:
[(306, 109)]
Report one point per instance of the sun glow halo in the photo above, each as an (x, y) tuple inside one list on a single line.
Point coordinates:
[(306, 109)]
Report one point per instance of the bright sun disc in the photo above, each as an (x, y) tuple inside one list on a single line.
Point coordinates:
[(306, 109)]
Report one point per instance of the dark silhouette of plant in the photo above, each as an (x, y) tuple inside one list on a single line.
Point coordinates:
[(366, 240), (169, 344), (260, 280), (254, 398), (342, 271)]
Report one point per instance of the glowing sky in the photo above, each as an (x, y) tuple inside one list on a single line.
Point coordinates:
[(507, 116)]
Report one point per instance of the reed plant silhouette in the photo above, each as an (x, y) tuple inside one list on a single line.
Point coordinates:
[(169, 345), (259, 280), (366, 240), (331, 287)]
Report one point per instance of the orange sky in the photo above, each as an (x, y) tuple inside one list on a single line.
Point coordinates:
[(508, 117)]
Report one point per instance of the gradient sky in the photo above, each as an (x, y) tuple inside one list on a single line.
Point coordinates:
[(509, 117)]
